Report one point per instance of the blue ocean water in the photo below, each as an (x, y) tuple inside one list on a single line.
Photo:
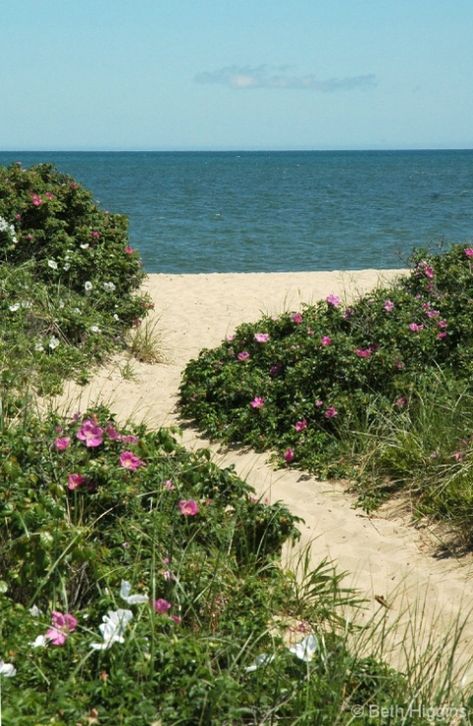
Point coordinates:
[(278, 211)]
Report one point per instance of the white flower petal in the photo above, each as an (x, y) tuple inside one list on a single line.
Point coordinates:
[(125, 591), (7, 669), (40, 642), (260, 660), (35, 611), (113, 628), (305, 650)]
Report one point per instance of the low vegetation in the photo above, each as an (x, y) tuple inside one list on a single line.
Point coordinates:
[(353, 390), (68, 280)]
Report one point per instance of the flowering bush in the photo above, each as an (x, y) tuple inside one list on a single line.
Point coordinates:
[(301, 383), (126, 589), (67, 275)]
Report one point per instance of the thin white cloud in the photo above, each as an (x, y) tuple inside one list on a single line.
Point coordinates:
[(248, 77)]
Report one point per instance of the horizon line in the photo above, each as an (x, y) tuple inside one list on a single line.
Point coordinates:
[(204, 150)]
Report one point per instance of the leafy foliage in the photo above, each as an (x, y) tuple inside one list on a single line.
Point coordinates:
[(207, 585), (67, 278), (310, 383)]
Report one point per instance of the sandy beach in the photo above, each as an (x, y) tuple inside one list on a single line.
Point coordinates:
[(384, 555)]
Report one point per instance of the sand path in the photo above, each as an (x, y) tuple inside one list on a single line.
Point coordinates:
[(382, 556)]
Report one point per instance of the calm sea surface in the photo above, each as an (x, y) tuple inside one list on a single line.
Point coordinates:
[(278, 211)]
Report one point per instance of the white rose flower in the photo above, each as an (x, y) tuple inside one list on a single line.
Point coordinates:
[(7, 669), (52, 264), (53, 342), (113, 628), (14, 307), (94, 329), (88, 286)]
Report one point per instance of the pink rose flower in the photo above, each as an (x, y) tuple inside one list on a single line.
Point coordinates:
[(441, 336), (364, 352), (333, 300), (90, 433), (388, 306), (288, 455), (331, 412), (95, 234), (262, 337), (74, 481), (243, 356), (188, 507), (319, 403), (326, 340), (300, 425), (468, 251), (128, 250), (297, 318), (415, 327), (257, 402), (161, 606), (129, 460), (62, 443), (62, 625), (36, 200)]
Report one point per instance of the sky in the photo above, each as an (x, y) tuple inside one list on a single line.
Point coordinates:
[(236, 74)]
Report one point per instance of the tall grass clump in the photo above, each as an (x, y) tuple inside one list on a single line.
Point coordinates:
[(142, 584), (307, 383), (68, 279)]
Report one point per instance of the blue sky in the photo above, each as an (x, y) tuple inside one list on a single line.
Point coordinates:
[(236, 74)]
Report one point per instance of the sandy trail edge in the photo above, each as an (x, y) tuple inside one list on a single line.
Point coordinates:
[(381, 556)]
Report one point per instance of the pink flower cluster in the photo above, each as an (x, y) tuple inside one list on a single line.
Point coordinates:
[(262, 337), (36, 200), (468, 251), (297, 318)]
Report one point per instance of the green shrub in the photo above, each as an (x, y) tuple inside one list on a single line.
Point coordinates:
[(67, 277), (305, 383), (85, 507)]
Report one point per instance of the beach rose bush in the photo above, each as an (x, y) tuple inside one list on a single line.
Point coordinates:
[(303, 382), (68, 276), (134, 574)]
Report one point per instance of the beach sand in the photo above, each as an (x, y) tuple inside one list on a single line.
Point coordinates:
[(382, 555)]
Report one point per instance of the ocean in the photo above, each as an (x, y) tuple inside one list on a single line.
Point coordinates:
[(278, 211)]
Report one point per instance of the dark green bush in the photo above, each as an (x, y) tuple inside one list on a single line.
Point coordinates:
[(68, 277)]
